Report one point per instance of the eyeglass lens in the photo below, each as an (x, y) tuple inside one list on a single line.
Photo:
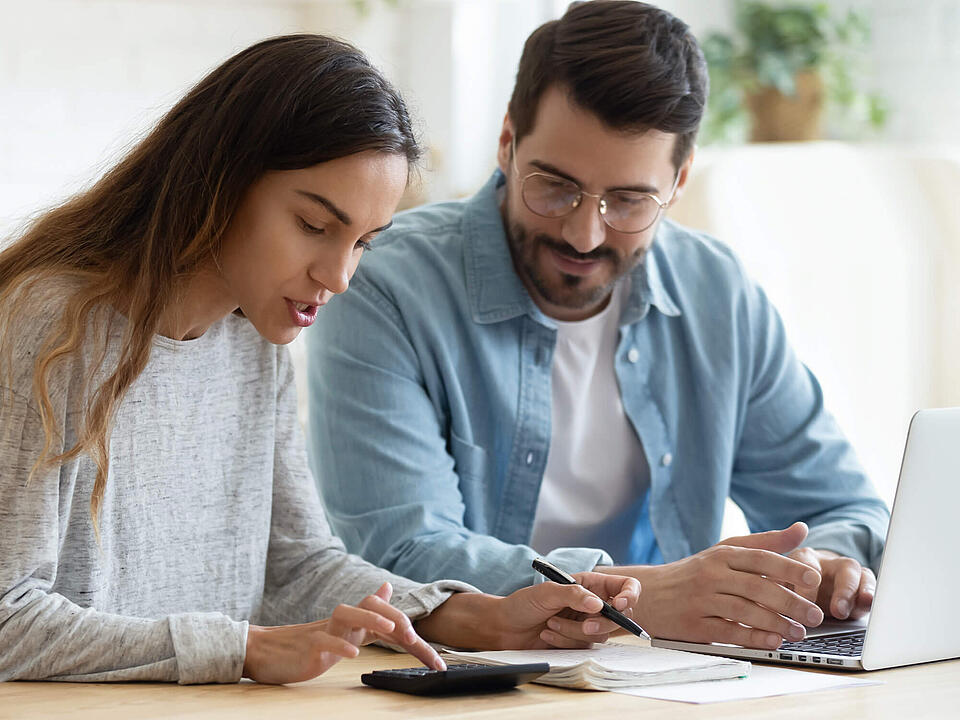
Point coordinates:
[(623, 211)]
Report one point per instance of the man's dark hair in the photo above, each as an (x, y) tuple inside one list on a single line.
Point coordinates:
[(634, 66)]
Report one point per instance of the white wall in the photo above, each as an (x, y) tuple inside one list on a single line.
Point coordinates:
[(80, 79)]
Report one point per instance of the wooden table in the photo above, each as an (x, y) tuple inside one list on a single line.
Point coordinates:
[(931, 690)]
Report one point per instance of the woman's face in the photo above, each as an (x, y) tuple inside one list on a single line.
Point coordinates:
[(298, 235)]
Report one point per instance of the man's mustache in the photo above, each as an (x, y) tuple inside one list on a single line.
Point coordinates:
[(566, 250)]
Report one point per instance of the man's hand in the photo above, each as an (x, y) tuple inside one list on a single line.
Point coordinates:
[(738, 591), (291, 653), (539, 616), (846, 587)]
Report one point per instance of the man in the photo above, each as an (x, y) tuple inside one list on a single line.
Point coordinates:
[(552, 368)]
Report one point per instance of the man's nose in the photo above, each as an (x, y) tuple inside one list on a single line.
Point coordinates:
[(583, 228)]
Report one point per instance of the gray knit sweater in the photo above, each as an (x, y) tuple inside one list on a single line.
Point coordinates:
[(210, 520)]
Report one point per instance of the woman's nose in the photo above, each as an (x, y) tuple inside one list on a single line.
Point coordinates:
[(333, 271)]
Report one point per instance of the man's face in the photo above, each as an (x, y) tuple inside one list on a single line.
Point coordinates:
[(570, 264)]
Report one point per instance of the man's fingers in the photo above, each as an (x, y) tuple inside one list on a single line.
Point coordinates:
[(847, 574), (778, 541), (771, 565), (724, 631), (868, 587), (773, 596), (807, 556), (732, 607)]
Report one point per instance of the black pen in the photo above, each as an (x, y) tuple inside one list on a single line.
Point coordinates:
[(552, 572)]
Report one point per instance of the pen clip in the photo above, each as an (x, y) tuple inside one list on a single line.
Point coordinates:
[(539, 564)]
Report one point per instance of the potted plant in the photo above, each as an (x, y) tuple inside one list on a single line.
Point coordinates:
[(781, 67)]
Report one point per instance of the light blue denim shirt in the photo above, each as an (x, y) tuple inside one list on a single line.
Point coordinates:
[(430, 408)]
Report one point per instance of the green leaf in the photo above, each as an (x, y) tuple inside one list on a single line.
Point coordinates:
[(770, 44)]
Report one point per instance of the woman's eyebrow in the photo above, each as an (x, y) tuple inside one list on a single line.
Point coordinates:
[(328, 204)]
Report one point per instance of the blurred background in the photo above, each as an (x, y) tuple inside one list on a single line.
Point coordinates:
[(829, 158)]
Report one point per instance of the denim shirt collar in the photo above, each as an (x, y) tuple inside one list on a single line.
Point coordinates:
[(494, 289)]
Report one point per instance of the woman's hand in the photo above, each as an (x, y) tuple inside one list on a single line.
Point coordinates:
[(539, 616), (291, 653)]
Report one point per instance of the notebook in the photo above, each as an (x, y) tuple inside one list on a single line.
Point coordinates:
[(614, 665), (917, 588)]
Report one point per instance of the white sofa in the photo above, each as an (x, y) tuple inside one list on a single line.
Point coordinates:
[(859, 248)]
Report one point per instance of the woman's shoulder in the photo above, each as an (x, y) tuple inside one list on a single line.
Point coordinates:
[(35, 321)]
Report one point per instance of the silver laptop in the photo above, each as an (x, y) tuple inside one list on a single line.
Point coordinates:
[(914, 608)]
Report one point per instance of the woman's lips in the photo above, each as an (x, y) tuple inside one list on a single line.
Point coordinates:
[(302, 318)]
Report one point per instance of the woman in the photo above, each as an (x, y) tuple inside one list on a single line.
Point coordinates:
[(156, 511)]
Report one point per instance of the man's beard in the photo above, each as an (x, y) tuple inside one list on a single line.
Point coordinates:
[(572, 291)]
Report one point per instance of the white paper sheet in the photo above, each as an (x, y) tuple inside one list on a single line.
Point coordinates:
[(764, 681)]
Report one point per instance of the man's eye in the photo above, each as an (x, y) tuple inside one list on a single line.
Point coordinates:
[(559, 184), (630, 199), (310, 228)]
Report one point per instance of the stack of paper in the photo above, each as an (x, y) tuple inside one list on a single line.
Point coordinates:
[(611, 666)]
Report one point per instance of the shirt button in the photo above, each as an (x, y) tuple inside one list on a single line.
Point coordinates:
[(529, 458), (633, 355), (666, 459)]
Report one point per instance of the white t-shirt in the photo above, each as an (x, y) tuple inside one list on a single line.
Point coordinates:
[(596, 466)]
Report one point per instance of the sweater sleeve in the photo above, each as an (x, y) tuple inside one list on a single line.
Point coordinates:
[(309, 571), (47, 636)]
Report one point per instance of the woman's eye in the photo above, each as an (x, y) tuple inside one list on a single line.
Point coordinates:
[(310, 228), (362, 245)]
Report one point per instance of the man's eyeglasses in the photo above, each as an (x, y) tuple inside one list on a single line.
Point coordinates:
[(625, 211)]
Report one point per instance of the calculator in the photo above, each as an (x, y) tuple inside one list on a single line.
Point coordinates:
[(460, 678)]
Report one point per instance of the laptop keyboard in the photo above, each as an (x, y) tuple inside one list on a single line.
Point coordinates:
[(847, 645)]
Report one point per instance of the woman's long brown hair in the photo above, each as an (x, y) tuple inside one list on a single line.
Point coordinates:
[(285, 103)]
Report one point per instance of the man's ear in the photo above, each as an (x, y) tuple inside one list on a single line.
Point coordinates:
[(683, 175), (504, 145)]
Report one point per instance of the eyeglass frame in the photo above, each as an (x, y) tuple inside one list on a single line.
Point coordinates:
[(601, 203)]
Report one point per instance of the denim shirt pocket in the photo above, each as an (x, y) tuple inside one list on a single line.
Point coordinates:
[(470, 465)]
